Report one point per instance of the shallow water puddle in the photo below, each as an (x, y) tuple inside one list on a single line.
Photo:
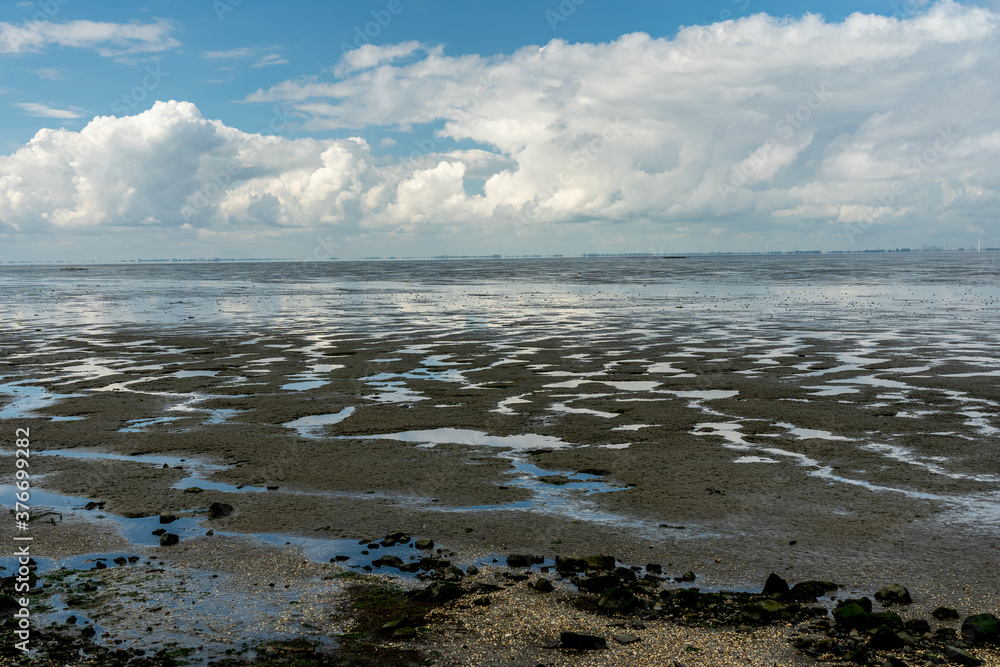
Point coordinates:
[(503, 407), (458, 436), (755, 459), (810, 433), (198, 469), (929, 463), (28, 398), (312, 426)]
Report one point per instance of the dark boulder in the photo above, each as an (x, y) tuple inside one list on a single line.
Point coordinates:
[(597, 584), (618, 599), (810, 590), (864, 603), (980, 629), (600, 562), (581, 642), (851, 617), (523, 560), (894, 594), (889, 619), (945, 613), (543, 585), (566, 564), (775, 585), (961, 657), (219, 510), (885, 639)]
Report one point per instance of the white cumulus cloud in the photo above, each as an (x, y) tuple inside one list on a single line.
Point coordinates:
[(795, 127), (108, 39)]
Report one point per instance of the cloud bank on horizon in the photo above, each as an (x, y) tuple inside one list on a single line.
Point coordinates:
[(873, 131)]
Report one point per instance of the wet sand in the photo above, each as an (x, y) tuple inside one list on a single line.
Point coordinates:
[(729, 444)]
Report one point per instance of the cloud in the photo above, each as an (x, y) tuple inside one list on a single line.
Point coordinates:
[(111, 40), (244, 52), (751, 120), (790, 128), (370, 55), (271, 59), (45, 111), (50, 73)]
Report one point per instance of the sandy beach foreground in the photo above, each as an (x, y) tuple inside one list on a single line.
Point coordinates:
[(715, 445)]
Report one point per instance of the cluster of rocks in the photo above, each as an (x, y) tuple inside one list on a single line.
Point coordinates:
[(859, 634), (854, 632), (167, 539), (56, 647)]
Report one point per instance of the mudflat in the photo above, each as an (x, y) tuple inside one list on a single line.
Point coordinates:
[(808, 426)]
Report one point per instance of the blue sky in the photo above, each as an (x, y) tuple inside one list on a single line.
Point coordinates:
[(305, 38), (237, 128)]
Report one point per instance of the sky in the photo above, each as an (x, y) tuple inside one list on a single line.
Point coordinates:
[(317, 130)]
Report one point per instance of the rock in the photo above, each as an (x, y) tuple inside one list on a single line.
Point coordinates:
[(543, 585), (617, 599), (810, 590), (472, 570), (945, 613), (440, 591), (581, 642), (770, 607), (597, 584), (885, 639), (851, 617), (893, 661), (194, 489), (209, 533), (159, 531), (71, 620), (88, 632), (219, 510), (889, 619), (917, 626), (775, 585), (687, 576), (626, 639), (121, 560), (452, 573), (484, 587), (99, 565), (424, 544), (388, 561), (167, 518), (600, 562), (523, 560), (961, 657), (169, 539), (404, 633), (654, 568), (864, 603), (894, 594), (981, 628), (566, 564)]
